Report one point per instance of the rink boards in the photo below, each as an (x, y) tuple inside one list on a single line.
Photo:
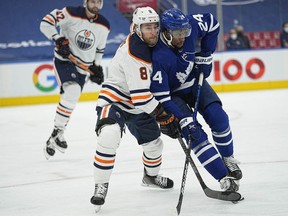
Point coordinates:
[(35, 82)]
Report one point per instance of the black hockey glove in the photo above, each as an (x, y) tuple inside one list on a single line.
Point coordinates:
[(62, 46), (203, 64), (98, 76), (168, 123)]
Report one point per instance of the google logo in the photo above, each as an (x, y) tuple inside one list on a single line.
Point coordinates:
[(40, 84)]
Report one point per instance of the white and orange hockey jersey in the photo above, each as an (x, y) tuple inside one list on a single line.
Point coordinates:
[(87, 37), (128, 82)]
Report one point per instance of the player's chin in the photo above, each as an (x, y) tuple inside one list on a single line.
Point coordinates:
[(94, 10), (179, 45), (152, 41)]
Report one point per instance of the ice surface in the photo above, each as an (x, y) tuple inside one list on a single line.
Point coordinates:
[(32, 186)]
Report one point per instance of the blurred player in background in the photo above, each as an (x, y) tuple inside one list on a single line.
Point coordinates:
[(176, 66), (82, 39), (125, 100), (284, 35)]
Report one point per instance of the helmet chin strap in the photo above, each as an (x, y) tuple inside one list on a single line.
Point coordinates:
[(132, 27), (138, 31), (168, 41)]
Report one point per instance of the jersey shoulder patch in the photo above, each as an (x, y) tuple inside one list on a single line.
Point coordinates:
[(139, 49)]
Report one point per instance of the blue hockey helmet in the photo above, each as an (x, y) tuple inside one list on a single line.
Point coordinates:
[(175, 22)]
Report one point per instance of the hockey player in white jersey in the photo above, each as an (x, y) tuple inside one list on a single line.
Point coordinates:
[(82, 38), (125, 100), (176, 65)]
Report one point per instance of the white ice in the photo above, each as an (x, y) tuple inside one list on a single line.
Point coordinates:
[(32, 186)]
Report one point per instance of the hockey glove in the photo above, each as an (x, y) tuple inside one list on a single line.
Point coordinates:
[(98, 76), (189, 127), (62, 46), (168, 123), (203, 64)]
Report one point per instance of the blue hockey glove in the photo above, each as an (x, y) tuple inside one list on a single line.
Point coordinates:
[(189, 127), (98, 76), (203, 63), (62, 46)]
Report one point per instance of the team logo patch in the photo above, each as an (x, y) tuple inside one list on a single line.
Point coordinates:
[(182, 76), (85, 39)]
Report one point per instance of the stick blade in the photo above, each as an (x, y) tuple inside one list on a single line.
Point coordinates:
[(178, 208), (223, 195)]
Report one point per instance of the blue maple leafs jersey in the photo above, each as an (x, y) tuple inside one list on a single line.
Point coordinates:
[(173, 69)]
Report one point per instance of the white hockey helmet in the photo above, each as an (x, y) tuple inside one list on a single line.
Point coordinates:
[(144, 15), (101, 3)]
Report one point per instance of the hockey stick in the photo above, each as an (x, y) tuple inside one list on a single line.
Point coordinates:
[(221, 195), (79, 64), (184, 176)]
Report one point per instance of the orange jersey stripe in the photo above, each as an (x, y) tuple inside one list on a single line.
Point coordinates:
[(113, 96), (141, 97), (50, 20)]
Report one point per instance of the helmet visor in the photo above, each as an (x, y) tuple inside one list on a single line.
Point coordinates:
[(180, 33)]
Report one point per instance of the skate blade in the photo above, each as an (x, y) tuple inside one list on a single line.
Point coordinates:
[(235, 202), (47, 156), (149, 185), (54, 145), (62, 150), (154, 186), (97, 208)]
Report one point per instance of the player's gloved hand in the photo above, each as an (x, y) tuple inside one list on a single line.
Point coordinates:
[(168, 123), (203, 64), (98, 76), (62, 45), (190, 127)]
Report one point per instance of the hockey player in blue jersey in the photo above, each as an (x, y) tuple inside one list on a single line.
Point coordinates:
[(176, 68)]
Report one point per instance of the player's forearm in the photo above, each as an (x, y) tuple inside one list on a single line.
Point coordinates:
[(49, 31)]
